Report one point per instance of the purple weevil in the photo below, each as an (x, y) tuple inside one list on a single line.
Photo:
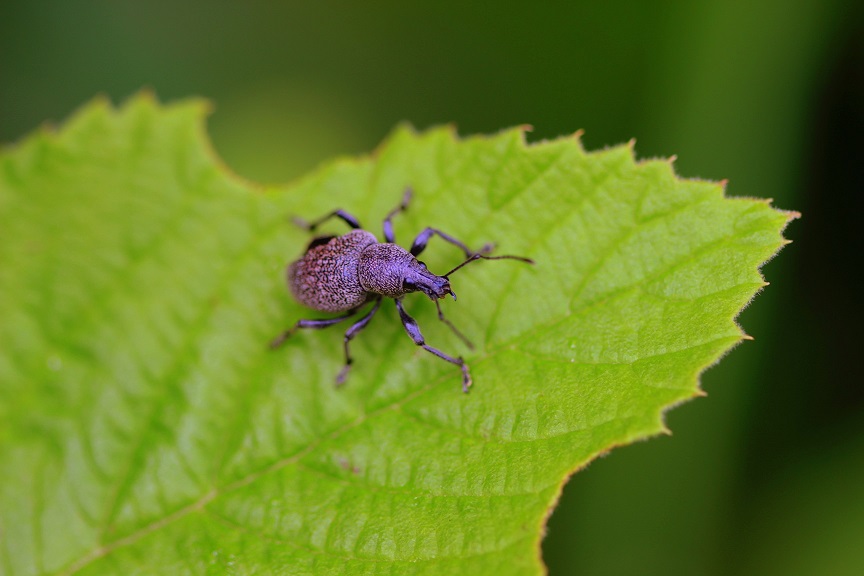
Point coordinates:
[(343, 273)]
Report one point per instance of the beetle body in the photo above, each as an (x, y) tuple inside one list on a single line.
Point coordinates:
[(347, 271)]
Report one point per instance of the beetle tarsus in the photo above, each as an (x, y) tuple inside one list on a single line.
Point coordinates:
[(466, 377), (279, 340), (343, 374), (487, 248)]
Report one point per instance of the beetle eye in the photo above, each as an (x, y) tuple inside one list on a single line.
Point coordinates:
[(423, 264), (408, 286)]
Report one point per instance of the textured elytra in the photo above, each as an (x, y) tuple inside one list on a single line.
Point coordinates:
[(146, 427), (326, 277)]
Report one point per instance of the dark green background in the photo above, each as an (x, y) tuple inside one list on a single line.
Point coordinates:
[(766, 476)]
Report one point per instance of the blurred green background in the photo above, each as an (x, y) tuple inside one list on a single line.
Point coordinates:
[(766, 475)]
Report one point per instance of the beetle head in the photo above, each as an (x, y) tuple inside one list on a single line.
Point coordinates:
[(419, 279)]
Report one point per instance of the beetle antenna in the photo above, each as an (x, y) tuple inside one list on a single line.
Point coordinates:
[(452, 327), (479, 256)]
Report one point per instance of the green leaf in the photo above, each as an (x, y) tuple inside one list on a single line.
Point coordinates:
[(146, 427)]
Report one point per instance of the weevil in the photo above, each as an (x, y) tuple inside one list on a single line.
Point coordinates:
[(345, 273)]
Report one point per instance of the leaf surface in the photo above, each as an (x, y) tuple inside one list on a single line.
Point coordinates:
[(145, 425)]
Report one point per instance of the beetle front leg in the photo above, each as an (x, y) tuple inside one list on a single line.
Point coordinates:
[(414, 332), (423, 238)]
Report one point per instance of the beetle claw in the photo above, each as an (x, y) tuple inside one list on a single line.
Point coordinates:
[(466, 377), (279, 340), (343, 375), (300, 222)]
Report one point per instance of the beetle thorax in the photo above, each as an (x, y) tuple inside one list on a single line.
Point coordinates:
[(382, 269), (391, 270)]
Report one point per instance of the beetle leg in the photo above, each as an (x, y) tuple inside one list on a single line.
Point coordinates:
[(388, 225), (316, 324), (349, 335), (414, 332), (341, 214), (423, 238)]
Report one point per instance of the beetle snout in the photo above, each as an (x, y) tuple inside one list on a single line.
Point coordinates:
[(444, 289), (436, 287)]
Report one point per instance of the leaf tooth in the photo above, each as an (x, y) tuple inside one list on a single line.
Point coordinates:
[(631, 148), (577, 138)]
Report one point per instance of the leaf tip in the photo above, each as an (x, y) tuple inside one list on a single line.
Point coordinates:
[(408, 128), (100, 101), (576, 137), (521, 132), (48, 128), (146, 93)]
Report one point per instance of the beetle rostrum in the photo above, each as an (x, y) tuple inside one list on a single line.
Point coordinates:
[(345, 273)]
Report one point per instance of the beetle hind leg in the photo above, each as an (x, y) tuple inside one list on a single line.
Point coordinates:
[(315, 324), (341, 214)]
